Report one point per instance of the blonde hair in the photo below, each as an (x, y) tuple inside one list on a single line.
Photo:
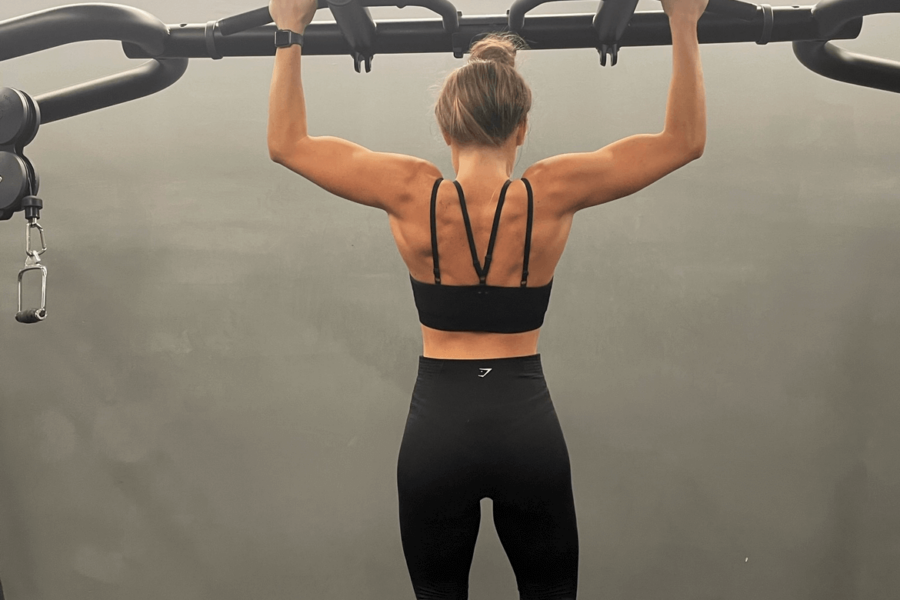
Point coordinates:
[(483, 102)]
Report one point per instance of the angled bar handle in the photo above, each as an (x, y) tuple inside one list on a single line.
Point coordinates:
[(83, 22), (151, 77), (80, 23), (827, 59)]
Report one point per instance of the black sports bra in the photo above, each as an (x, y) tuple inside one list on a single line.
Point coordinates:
[(482, 307)]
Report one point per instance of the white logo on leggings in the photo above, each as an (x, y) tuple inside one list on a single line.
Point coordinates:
[(484, 371)]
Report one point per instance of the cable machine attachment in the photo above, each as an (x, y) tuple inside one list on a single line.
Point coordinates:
[(20, 119), (32, 206)]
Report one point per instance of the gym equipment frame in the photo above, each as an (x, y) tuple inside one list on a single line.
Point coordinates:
[(615, 25)]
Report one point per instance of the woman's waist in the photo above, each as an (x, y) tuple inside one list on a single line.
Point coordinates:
[(468, 345)]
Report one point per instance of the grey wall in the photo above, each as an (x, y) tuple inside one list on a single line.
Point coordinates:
[(214, 407)]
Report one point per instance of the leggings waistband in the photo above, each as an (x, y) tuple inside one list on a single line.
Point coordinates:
[(492, 390), (515, 365)]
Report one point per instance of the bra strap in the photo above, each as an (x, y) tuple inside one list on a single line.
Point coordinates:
[(494, 230), (434, 246), (528, 232), (482, 272)]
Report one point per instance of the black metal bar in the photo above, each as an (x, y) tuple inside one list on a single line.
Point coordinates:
[(833, 62), (541, 32), (729, 8), (831, 14), (828, 60), (259, 17), (78, 23), (352, 16), (733, 8), (147, 79)]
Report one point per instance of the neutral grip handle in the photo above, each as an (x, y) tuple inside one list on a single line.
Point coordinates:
[(35, 315), (243, 22)]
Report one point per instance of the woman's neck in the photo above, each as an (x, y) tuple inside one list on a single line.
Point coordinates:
[(484, 164)]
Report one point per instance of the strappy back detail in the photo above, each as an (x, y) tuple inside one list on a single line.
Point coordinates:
[(482, 271), (481, 307)]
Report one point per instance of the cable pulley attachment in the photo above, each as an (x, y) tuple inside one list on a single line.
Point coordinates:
[(20, 117), (32, 207)]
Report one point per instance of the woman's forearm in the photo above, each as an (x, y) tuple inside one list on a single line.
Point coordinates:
[(686, 108), (287, 105)]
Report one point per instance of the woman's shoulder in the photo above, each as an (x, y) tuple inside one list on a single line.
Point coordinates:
[(548, 188), (425, 174)]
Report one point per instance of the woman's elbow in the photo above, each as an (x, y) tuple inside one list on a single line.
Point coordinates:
[(276, 153), (288, 150), (695, 149)]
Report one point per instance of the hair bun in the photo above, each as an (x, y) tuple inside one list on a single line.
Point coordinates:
[(497, 47)]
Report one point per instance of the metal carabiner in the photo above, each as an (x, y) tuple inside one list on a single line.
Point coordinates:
[(33, 263), (30, 252)]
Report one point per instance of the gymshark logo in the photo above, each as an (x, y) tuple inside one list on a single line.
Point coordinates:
[(484, 372)]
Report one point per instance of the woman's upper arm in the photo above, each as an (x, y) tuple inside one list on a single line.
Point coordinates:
[(343, 168), (581, 180)]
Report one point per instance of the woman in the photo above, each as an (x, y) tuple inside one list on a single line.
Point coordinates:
[(481, 422)]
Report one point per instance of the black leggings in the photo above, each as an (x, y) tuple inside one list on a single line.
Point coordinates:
[(486, 429)]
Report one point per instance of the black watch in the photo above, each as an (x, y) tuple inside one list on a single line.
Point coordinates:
[(285, 38)]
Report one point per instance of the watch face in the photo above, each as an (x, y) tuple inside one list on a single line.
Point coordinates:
[(286, 37)]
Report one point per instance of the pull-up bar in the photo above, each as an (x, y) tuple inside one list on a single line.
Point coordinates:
[(354, 32), (615, 25)]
